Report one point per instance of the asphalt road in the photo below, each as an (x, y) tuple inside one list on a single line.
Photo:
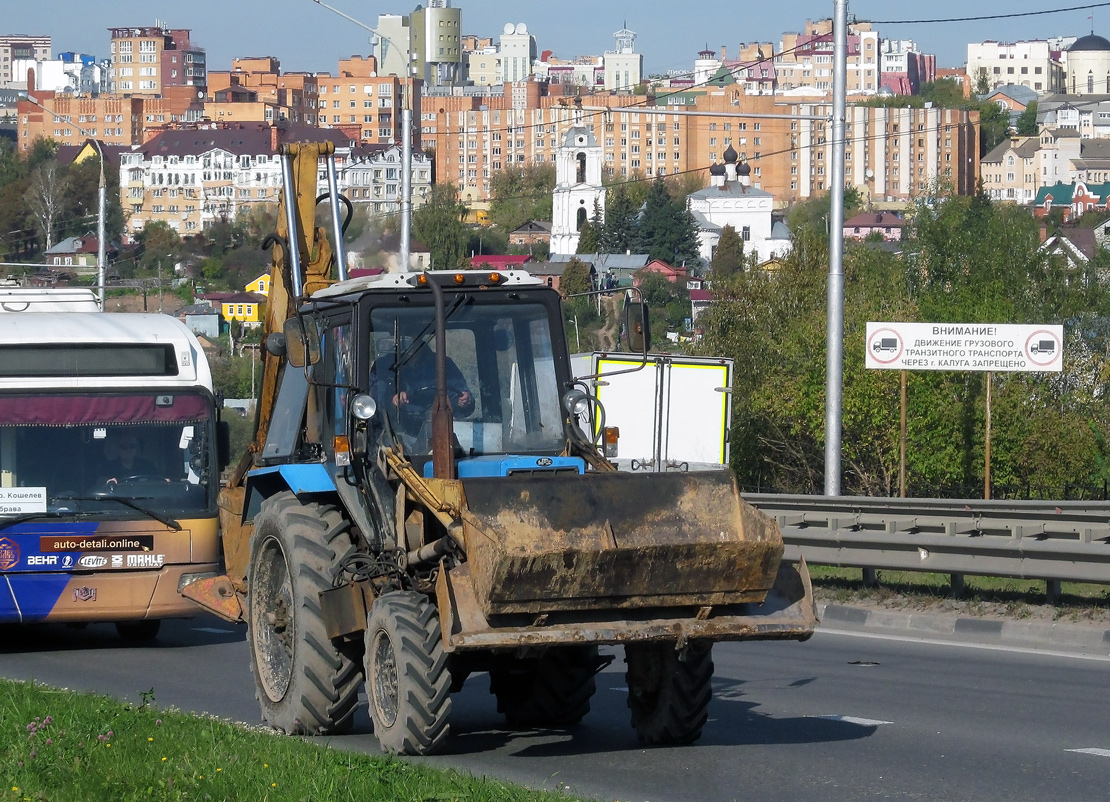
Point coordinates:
[(846, 716)]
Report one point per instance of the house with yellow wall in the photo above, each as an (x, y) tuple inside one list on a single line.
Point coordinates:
[(246, 307), (260, 285)]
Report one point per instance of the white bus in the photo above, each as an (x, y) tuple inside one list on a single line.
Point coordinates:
[(109, 466)]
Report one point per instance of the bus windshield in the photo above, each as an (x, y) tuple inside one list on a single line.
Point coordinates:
[(151, 448)]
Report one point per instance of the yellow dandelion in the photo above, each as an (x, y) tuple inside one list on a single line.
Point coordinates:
[(273, 785), (163, 760), (108, 745), (219, 769), (15, 787), (150, 739), (265, 765)]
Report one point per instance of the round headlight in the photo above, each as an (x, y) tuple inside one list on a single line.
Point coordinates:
[(576, 402), (364, 407)]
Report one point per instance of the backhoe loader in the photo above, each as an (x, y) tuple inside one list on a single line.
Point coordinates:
[(427, 498)]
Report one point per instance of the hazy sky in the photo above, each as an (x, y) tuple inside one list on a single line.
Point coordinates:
[(305, 36)]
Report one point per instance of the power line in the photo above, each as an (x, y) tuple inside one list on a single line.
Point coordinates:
[(983, 17)]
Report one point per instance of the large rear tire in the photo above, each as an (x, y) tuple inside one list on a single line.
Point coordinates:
[(553, 689), (669, 696), (305, 683), (408, 683)]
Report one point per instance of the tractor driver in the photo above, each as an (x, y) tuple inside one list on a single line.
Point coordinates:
[(404, 384)]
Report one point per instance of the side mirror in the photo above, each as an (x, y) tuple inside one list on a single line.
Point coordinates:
[(637, 327), (302, 341), (223, 443)]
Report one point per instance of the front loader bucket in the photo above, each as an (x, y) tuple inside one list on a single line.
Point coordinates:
[(787, 613), (540, 544)]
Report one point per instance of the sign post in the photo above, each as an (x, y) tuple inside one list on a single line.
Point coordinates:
[(987, 347)]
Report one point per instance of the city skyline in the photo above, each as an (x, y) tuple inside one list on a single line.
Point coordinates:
[(307, 37)]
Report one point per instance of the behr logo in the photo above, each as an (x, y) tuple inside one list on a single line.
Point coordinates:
[(42, 559), (92, 561)]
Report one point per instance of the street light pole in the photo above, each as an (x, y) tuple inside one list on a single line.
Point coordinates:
[(406, 136), (101, 198)]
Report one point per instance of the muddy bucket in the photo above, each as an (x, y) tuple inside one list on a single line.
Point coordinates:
[(540, 544)]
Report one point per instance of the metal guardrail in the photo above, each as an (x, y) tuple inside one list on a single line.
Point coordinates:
[(1049, 540)]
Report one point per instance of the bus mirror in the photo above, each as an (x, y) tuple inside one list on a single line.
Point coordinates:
[(302, 341), (223, 443), (637, 327)]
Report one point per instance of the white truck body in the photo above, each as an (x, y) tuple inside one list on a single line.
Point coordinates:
[(673, 414)]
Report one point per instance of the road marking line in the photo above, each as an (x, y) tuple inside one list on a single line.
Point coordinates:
[(213, 630), (1091, 751), (992, 647), (863, 722)]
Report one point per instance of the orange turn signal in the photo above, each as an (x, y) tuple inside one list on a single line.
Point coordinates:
[(342, 448), (422, 279), (459, 278), (494, 277)]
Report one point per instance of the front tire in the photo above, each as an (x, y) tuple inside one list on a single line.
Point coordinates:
[(306, 684), (553, 689), (408, 683), (669, 692)]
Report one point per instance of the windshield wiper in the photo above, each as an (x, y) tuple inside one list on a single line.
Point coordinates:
[(127, 502)]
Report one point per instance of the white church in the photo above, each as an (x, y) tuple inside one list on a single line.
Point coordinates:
[(577, 188), (731, 200)]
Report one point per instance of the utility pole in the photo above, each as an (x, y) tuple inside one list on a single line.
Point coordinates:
[(407, 86), (834, 365)]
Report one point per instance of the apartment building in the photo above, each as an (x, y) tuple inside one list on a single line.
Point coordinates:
[(805, 60), (113, 119), (624, 67), (146, 60), (360, 99), (76, 73), (1009, 171), (16, 47), (892, 154), (258, 81), (904, 68), (800, 65), (1030, 63), (190, 177)]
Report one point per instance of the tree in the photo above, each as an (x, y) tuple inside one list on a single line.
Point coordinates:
[(1027, 120), (521, 193), (667, 230), (439, 225), (46, 198), (982, 82), (160, 247), (945, 93), (728, 258), (813, 214), (994, 126), (589, 237), (619, 232)]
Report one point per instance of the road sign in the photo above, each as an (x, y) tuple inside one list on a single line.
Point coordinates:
[(999, 347)]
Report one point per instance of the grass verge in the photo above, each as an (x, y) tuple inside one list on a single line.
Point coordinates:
[(981, 595), (60, 745)]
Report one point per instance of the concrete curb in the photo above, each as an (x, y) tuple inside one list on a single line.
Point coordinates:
[(950, 626)]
